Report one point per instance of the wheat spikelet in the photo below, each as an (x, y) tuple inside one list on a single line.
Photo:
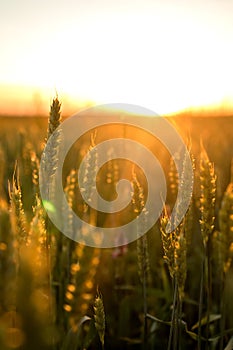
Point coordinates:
[(99, 317), (189, 219), (49, 163), (186, 181), (173, 176), (175, 252), (180, 263), (88, 174), (185, 188), (175, 242), (188, 224), (54, 117), (138, 202), (71, 185), (90, 167), (207, 197), (183, 230), (168, 243), (226, 223), (18, 220)]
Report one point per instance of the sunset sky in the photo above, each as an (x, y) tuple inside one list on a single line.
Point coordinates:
[(163, 55)]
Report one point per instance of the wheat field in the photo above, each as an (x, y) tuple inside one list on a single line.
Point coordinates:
[(163, 291)]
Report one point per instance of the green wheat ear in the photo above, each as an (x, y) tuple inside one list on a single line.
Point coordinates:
[(99, 317)]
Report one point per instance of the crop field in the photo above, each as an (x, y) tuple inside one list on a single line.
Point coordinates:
[(162, 291)]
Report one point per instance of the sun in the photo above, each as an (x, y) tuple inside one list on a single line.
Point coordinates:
[(157, 65)]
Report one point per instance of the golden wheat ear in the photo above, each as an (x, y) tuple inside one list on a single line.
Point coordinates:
[(207, 196), (18, 219), (54, 116)]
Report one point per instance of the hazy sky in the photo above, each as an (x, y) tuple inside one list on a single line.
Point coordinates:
[(164, 55)]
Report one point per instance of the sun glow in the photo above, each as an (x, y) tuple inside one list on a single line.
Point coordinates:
[(164, 62)]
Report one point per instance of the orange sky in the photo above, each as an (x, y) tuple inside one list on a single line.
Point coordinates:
[(35, 101), (166, 56)]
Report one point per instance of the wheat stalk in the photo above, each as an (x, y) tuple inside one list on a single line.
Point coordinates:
[(175, 246), (138, 202), (207, 209)]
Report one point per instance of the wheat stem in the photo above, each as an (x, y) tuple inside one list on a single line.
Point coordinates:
[(200, 304), (173, 325), (207, 208)]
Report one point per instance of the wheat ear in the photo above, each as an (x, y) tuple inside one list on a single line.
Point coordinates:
[(207, 210), (18, 219), (99, 317), (207, 197)]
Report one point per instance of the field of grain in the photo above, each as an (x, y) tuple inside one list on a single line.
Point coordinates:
[(163, 291)]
